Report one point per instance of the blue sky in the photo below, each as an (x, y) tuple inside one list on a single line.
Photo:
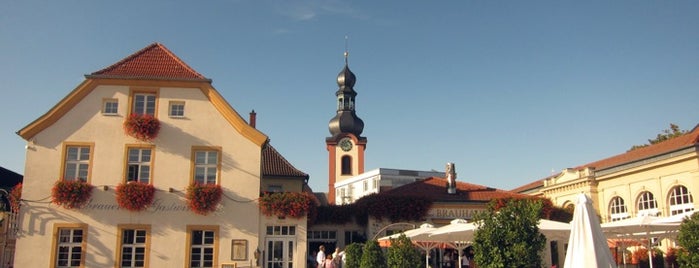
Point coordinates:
[(507, 90)]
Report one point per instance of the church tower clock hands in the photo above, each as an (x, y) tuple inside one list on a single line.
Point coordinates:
[(345, 145)]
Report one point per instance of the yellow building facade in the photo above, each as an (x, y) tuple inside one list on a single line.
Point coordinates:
[(201, 139), (657, 180)]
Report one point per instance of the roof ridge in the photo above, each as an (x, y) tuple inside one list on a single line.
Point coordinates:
[(134, 65), (685, 140)]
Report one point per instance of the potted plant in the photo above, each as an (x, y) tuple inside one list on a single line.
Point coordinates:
[(292, 204), (71, 194), (135, 196), (144, 127), (203, 198), (15, 197)]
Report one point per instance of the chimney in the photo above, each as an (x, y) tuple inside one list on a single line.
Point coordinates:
[(451, 178), (253, 119)]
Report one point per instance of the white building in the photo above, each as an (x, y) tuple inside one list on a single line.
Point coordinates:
[(378, 180)]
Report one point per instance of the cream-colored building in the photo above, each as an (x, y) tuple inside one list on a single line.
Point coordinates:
[(657, 180), (201, 139)]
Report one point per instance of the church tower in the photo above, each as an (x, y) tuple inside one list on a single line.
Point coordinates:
[(345, 145)]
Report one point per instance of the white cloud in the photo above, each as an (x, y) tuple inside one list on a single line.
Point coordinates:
[(304, 10)]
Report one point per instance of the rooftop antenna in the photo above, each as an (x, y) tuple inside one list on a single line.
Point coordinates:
[(346, 49)]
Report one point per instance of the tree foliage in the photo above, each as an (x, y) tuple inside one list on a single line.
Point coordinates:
[(373, 256), (402, 254), (688, 239), (509, 236), (673, 132), (353, 255)]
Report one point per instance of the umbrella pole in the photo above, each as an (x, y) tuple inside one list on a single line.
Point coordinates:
[(427, 259)]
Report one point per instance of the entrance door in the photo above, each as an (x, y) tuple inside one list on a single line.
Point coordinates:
[(280, 253)]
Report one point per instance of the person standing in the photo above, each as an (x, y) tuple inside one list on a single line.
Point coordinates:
[(320, 257), (329, 262), (337, 258)]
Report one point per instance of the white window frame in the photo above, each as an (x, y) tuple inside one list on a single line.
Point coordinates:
[(203, 169), (146, 101), (141, 163), (66, 238), (110, 107), (647, 205), (176, 109), (77, 162), (208, 241), (139, 240), (680, 200), (618, 209)]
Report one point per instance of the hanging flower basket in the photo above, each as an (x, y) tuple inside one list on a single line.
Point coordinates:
[(203, 198), (142, 126), (15, 197), (135, 196), (292, 204), (71, 194)]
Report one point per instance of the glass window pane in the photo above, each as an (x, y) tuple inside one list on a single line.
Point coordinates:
[(212, 157), (145, 155), (85, 153), (72, 153), (200, 158)]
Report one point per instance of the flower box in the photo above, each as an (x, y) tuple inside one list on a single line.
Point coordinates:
[(15, 197), (203, 198), (135, 196), (292, 204), (142, 126), (71, 194)]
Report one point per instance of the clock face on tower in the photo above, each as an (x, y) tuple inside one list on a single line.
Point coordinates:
[(346, 144)]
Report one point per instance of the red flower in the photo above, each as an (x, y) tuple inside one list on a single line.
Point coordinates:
[(292, 204), (203, 198), (71, 194), (135, 196), (15, 197), (142, 126)]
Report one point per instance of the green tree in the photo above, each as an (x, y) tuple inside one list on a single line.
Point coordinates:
[(688, 238), (353, 255), (509, 237), (373, 256), (673, 132), (402, 254)]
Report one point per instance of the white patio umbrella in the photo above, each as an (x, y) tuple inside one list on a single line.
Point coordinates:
[(458, 234), (587, 245), (641, 227), (419, 236), (676, 218)]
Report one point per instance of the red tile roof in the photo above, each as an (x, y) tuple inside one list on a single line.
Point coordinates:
[(435, 188), (530, 186), (684, 141), (152, 62), (689, 139), (275, 165)]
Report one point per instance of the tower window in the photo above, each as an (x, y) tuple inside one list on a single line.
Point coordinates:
[(346, 165)]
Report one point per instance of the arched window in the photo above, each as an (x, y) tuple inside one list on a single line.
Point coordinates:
[(346, 165), (617, 209), (680, 200), (647, 205)]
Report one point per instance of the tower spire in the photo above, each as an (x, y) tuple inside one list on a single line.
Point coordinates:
[(346, 49)]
